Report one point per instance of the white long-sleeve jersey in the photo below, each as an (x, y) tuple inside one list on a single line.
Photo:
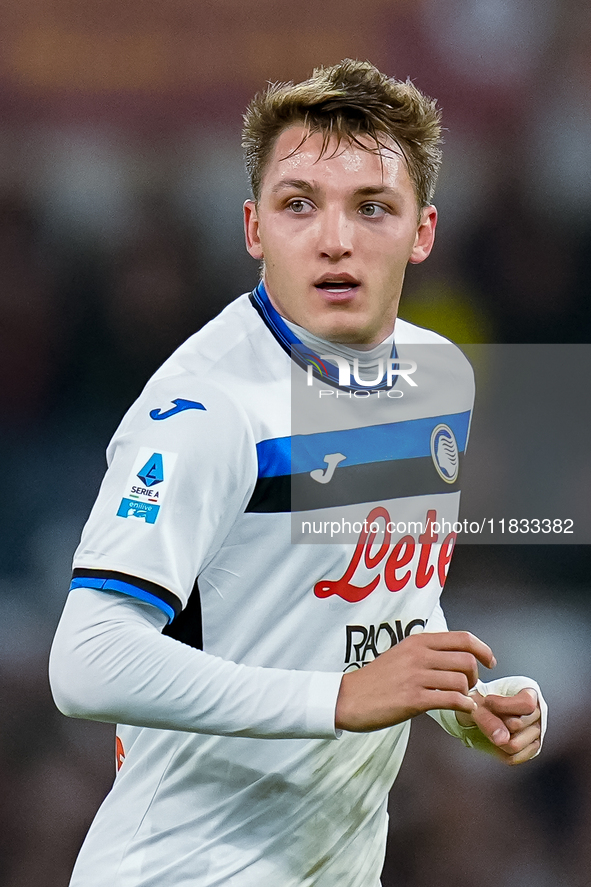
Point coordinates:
[(214, 476)]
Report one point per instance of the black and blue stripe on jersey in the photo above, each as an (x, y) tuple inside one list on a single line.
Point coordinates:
[(187, 625), (141, 589), (389, 461)]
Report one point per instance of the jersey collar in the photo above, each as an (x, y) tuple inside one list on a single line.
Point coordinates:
[(298, 352)]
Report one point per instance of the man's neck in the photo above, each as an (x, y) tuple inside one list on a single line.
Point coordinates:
[(368, 355)]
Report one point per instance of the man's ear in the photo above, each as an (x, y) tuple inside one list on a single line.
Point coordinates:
[(251, 230), (425, 236)]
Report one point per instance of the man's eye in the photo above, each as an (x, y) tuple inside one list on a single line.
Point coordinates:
[(372, 210), (299, 206)]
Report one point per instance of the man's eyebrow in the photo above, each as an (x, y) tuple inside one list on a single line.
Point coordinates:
[(309, 188), (296, 184), (374, 190)]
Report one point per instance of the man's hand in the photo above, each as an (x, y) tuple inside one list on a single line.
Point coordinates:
[(511, 724), (425, 671)]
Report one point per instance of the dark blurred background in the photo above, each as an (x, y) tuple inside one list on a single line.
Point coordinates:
[(121, 185)]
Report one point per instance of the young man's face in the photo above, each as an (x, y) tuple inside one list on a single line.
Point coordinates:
[(336, 234)]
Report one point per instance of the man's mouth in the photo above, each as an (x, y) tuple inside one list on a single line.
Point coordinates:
[(337, 285)]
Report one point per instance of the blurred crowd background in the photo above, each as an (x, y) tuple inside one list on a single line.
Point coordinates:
[(121, 184)]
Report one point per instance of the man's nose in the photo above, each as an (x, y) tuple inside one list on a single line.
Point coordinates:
[(335, 234)]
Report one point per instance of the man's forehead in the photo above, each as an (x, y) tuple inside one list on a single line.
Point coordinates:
[(296, 148)]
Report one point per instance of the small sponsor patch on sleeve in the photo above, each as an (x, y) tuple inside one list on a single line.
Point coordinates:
[(146, 485)]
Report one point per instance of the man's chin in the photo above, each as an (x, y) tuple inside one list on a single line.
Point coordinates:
[(343, 333)]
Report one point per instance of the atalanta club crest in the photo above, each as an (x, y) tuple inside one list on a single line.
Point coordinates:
[(444, 452)]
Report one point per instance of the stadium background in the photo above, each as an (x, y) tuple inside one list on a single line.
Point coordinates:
[(121, 184)]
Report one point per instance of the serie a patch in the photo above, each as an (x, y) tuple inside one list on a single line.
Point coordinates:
[(147, 485)]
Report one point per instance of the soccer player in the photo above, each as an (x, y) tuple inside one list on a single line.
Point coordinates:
[(264, 689)]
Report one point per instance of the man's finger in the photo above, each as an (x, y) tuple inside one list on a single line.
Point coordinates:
[(519, 741), (491, 725), (515, 724), (448, 680), (452, 701), (521, 757), (523, 703), (454, 661), (462, 641)]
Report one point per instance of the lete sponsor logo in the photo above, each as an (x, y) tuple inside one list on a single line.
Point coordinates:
[(396, 565)]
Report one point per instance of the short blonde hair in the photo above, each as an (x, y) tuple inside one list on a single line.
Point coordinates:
[(348, 100)]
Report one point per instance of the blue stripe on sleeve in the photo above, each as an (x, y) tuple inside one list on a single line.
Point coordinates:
[(123, 588)]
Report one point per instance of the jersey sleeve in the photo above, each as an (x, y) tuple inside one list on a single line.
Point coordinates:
[(109, 662), (181, 467)]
